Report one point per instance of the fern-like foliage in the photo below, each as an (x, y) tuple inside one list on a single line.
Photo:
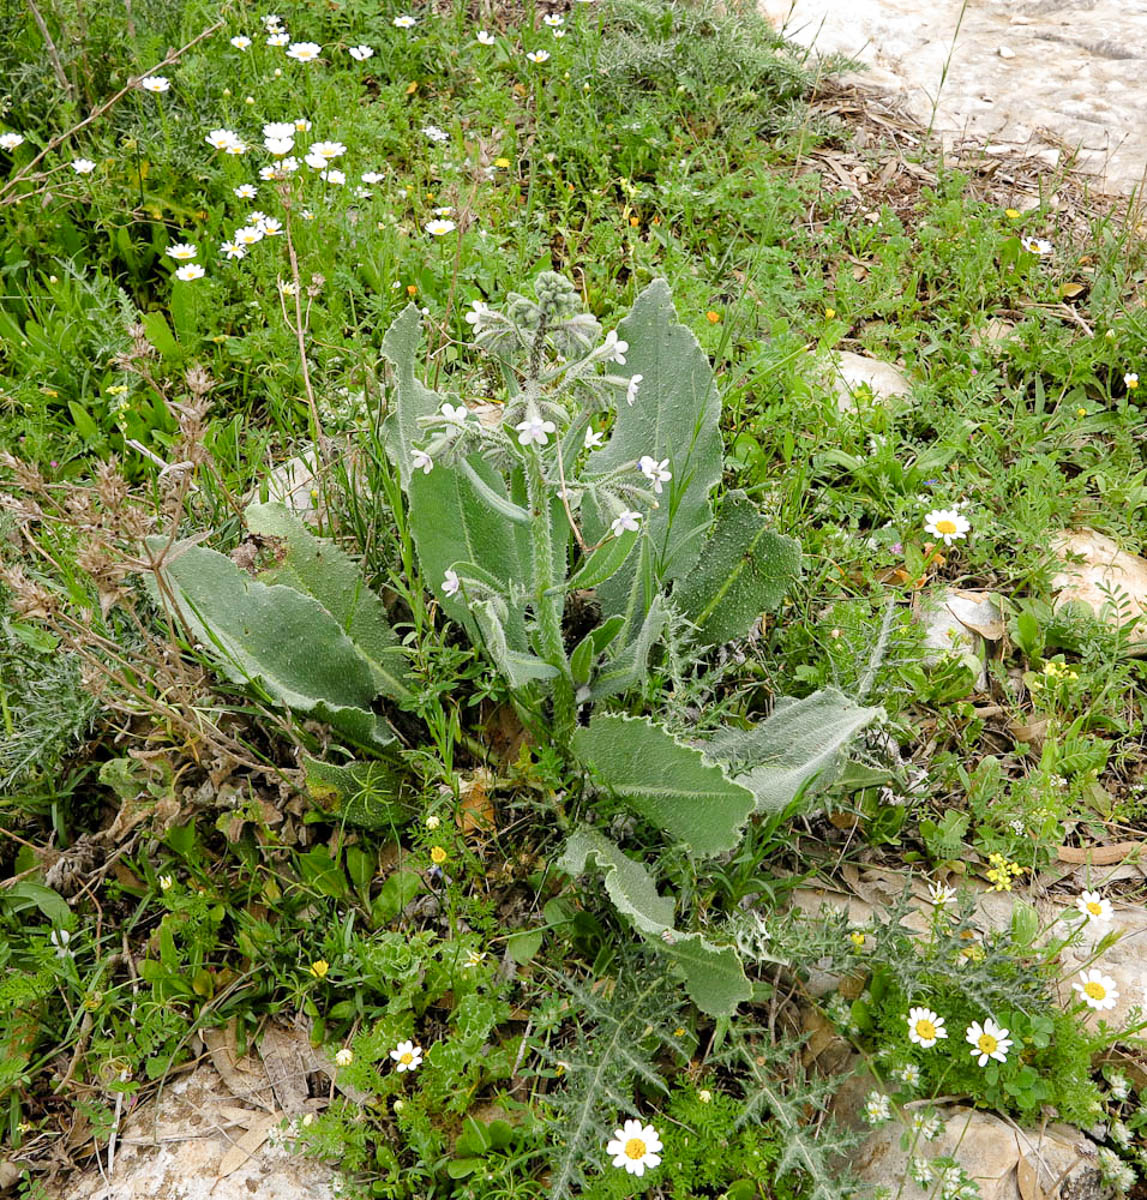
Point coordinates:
[(620, 1030), (775, 1088)]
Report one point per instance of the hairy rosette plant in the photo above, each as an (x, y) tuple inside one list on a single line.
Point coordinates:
[(595, 474)]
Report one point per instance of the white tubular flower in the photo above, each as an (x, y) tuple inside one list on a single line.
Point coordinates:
[(593, 438), (456, 414), (654, 471), (626, 520), (421, 461), (614, 348), (631, 388), (451, 583)]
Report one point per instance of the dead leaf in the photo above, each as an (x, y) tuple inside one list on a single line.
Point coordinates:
[(247, 1145), (1027, 1177), (244, 1076), (1069, 291), (1100, 856), (476, 810), (287, 1066)]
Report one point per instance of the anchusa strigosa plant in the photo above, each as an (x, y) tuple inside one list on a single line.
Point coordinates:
[(594, 474)]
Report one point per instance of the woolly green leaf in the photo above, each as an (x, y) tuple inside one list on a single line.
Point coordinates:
[(714, 977), (273, 636), (361, 793), (520, 669), (496, 502), (667, 782), (674, 417), (321, 569), (799, 746), (412, 398), (602, 564), (451, 523), (628, 667), (744, 570)]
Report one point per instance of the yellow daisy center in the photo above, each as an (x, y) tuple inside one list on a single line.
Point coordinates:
[(1094, 907), (406, 1059), (987, 1043), (1095, 990), (635, 1149), (925, 1029), (945, 526)]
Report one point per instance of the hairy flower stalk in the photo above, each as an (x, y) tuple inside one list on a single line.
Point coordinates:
[(548, 609)]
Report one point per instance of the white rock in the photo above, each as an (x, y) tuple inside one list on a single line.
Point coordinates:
[(1006, 52), (1104, 569), (958, 623), (851, 372)]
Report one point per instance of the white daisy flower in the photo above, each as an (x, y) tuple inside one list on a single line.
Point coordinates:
[(635, 1147), (534, 429), (1094, 907), (444, 211), (940, 895), (333, 176), (439, 227), (304, 52), (988, 1041), (593, 439), (631, 388), (248, 235), (927, 1125), (155, 83), (233, 250), (361, 53), (538, 56), (344, 1057), (654, 471), (554, 21), (371, 177), (302, 125), (451, 583), (626, 520), (271, 21), (559, 33), (316, 162), (189, 272), (946, 524), (877, 1108), (9, 141), (221, 139), (421, 461), (474, 958), (279, 147), (407, 1056), (1097, 990), (238, 146), (279, 129), (307, 215), (486, 38), (271, 226), (925, 1028), (404, 21), (908, 1074), (240, 42), (1034, 245), (83, 166), (278, 39), (182, 251), (246, 191), (327, 151)]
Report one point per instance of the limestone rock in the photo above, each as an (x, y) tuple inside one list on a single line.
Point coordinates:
[(1105, 568), (854, 371), (961, 623)]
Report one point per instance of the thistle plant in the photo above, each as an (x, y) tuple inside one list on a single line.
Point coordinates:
[(595, 474)]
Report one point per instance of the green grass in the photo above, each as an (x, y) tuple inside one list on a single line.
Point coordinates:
[(657, 140)]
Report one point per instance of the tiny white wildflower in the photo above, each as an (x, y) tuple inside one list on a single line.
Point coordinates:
[(407, 1057), (538, 56), (456, 414), (656, 472), (60, 939), (627, 520), (404, 21), (593, 438), (361, 53), (877, 1108), (451, 583), (241, 41), (631, 388), (486, 38), (9, 141), (614, 348), (421, 461), (344, 1057), (189, 272), (534, 429), (83, 166)]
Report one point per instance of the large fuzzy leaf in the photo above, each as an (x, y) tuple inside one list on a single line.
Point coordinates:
[(714, 977), (744, 570), (321, 569), (411, 398), (667, 782), (273, 636), (675, 416), (800, 746)]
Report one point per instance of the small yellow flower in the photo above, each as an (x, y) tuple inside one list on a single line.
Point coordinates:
[(829, 313), (712, 317), (1081, 412), (503, 163), (93, 1000), (319, 968), (437, 855), (1012, 212), (412, 289), (116, 390), (679, 1032), (857, 939)]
